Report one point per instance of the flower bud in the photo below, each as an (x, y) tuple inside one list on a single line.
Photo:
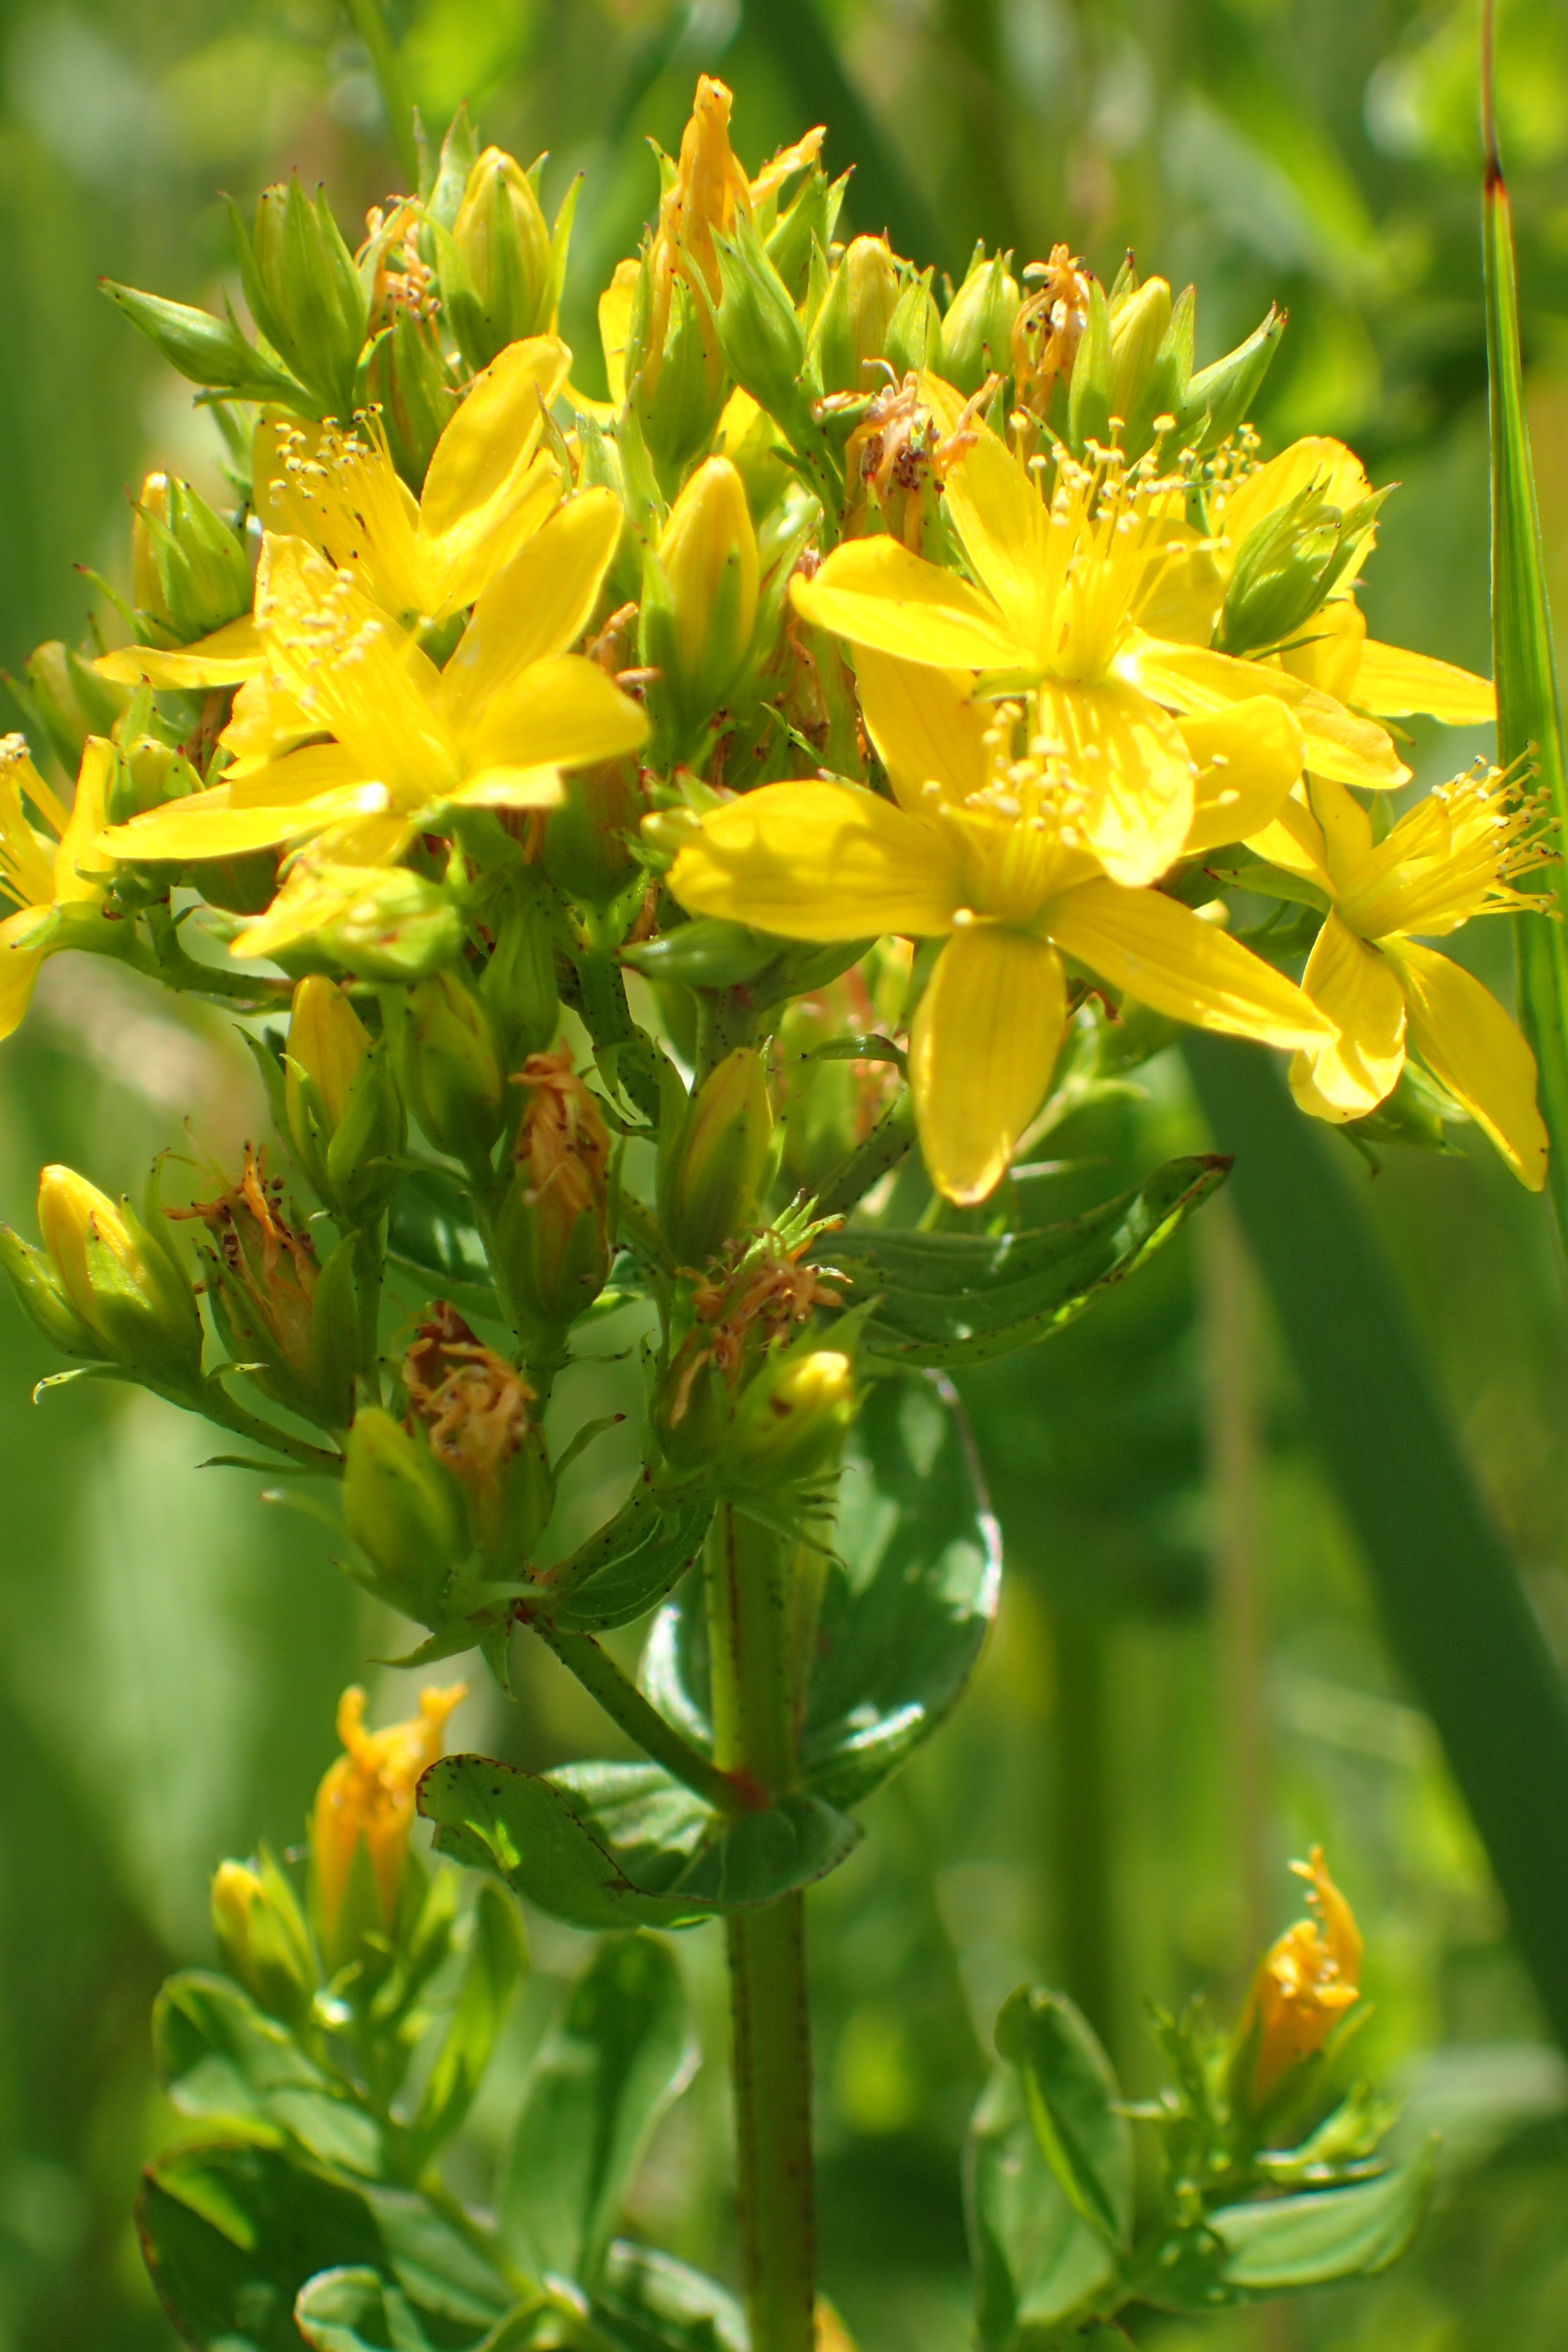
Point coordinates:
[(701, 607), (678, 385), (791, 1421), (509, 283), (977, 332), (70, 701), (378, 922), (147, 773), (343, 1113), (1218, 397), (519, 983), (407, 1513), (1286, 566), (188, 570), (410, 385), (445, 1056), (914, 339), (554, 1229), (263, 1938), (714, 1169), (761, 335), (42, 1296), (202, 349), (1304, 1985), (293, 1322), (121, 1282), (304, 292), (365, 1805), (852, 326), (587, 840), (474, 1408), (1151, 360)]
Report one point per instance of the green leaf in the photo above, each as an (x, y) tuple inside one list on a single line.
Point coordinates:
[(621, 2052), (1297, 2241), (1037, 2263), (647, 2301), (632, 1582), (497, 1957), (219, 2055), (1072, 2097), (624, 1845), (909, 1600), (231, 2231), (1530, 710), (431, 1230), (357, 2310), (961, 1299)]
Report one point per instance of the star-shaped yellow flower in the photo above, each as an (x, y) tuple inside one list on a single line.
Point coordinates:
[(45, 874), (1056, 602), (987, 848), (1449, 858)]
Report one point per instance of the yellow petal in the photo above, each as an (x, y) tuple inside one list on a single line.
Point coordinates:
[(924, 725), (1360, 992), (266, 722), (1329, 654), (982, 1050), (81, 867), (209, 825), (1135, 771), (1247, 758), (512, 788), (1295, 841), (1469, 1044), (944, 400), (616, 325), (227, 658), (1395, 684), (1335, 741), (23, 937), (1159, 951), (537, 606), (459, 565), (300, 776), (1315, 458), (875, 593), (813, 861), (492, 438), (1003, 526), (563, 712), (1347, 833)]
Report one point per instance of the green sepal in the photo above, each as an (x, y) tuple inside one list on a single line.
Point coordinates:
[(207, 350), (218, 2055)]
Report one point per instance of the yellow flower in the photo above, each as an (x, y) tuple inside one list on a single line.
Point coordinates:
[(1335, 655), (368, 1794), (1056, 602), (493, 729), (488, 488), (1304, 1985), (42, 873), (1449, 858), (989, 851)]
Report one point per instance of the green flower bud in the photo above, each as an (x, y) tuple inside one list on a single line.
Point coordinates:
[(588, 840), (406, 1512), (409, 382), (444, 1052), (1218, 397), (554, 1228), (700, 606), (508, 285), (203, 349), (147, 773), (853, 324), (263, 1938), (679, 388), (1151, 359), (1286, 566), (378, 922), (714, 1169), (791, 1421), (304, 292), (67, 701), (977, 332), (475, 1410), (291, 1320), (706, 953), (188, 570), (914, 332), (343, 1113), (518, 984), (122, 1282), (42, 1295), (761, 334)]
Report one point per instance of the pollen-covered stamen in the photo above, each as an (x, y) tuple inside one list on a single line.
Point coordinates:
[(1109, 539), (1049, 326), (1457, 854), (1022, 832)]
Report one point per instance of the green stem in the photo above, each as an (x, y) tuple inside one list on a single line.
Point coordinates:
[(753, 1738), (624, 1704), (371, 26), (607, 1017), (884, 1147)]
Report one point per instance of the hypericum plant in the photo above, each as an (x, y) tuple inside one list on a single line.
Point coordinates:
[(874, 726)]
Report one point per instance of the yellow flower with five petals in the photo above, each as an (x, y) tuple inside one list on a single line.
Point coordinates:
[(986, 849), (1055, 603), (1452, 856)]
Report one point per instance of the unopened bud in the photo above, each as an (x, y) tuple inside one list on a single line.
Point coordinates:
[(763, 339), (914, 332), (189, 568), (147, 773), (1151, 357), (518, 984), (852, 326), (509, 282), (121, 1282), (304, 292), (588, 839), (444, 1057), (1286, 566), (42, 1295), (791, 1421), (378, 922), (475, 1411), (1304, 1984), (714, 1169), (554, 1224), (977, 332), (410, 385), (1219, 397), (407, 1513), (701, 604), (291, 1321), (344, 1112), (362, 1819), (70, 701), (263, 1938)]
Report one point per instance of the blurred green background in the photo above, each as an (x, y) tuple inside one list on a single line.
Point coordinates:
[(1188, 1685)]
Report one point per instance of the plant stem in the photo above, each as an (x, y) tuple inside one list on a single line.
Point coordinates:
[(371, 25), (755, 1739), (624, 1704)]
